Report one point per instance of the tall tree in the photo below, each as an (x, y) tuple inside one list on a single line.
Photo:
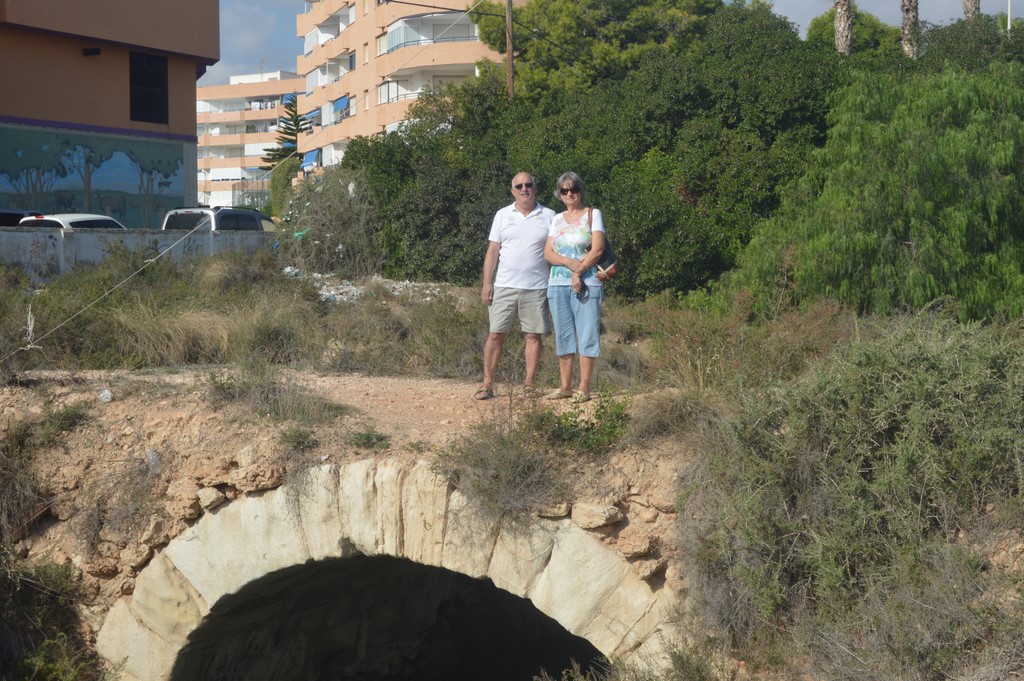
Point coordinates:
[(908, 32), (289, 126), (570, 44), (917, 195), (971, 8), (872, 41), (843, 27)]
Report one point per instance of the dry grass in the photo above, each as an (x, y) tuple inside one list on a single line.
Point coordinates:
[(505, 470), (179, 337)]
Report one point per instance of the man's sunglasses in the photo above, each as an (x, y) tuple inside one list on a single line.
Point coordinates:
[(569, 190), (521, 185)]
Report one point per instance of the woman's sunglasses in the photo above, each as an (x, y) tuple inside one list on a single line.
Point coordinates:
[(569, 190)]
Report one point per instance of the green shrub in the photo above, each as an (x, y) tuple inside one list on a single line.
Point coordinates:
[(916, 196), (369, 438), (298, 439), (332, 226), (574, 430), (840, 491)]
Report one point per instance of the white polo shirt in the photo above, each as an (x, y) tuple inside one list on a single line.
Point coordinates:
[(522, 239)]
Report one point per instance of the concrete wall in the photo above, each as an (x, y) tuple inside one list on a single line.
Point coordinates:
[(44, 253)]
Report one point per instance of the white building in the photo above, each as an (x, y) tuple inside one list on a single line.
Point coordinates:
[(235, 124)]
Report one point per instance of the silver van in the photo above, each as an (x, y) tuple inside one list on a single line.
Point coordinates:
[(218, 219)]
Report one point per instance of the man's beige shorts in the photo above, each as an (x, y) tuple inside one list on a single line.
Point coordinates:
[(530, 304)]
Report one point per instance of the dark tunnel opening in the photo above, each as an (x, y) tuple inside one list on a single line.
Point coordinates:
[(376, 618)]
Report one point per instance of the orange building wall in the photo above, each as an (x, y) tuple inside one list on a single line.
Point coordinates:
[(59, 85), (185, 27)]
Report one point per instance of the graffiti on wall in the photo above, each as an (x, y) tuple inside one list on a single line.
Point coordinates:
[(133, 180)]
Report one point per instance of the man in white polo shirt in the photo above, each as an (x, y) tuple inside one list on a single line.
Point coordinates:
[(516, 281)]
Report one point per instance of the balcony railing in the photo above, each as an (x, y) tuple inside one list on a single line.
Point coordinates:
[(404, 95), (431, 41)]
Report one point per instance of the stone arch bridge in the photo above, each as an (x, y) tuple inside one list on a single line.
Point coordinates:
[(378, 570)]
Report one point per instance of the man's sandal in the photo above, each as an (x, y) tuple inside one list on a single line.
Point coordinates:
[(484, 393), (531, 392)]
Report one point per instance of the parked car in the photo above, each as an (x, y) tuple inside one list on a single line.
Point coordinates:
[(217, 218), (71, 221), (10, 217)]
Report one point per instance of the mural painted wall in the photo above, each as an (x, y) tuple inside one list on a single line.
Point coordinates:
[(131, 179)]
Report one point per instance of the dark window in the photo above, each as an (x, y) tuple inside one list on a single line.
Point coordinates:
[(238, 222), (148, 82), (187, 221), (95, 223)]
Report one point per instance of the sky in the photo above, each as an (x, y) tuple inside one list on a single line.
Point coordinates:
[(259, 35)]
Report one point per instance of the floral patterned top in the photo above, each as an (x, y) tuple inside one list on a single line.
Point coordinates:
[(571, 240)]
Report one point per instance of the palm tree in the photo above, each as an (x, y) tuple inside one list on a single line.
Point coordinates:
[(843, 27), (971, 8), (908, 34)]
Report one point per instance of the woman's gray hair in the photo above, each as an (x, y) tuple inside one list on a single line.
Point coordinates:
[(574, 179)]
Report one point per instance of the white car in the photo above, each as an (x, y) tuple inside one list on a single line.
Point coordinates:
[(71, 221), (218, 219)]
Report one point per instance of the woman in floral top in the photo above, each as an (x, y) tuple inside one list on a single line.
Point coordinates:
[(575, 244)]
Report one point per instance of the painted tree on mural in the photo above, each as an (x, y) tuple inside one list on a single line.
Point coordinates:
[(33, 169), (85, 159), (151, 162)]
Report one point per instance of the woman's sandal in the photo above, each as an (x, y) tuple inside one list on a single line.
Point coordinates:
[(559, 395), (579, 397), (484, 393)]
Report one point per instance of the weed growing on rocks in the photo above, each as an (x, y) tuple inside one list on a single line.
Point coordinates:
[(298, 439), (369, 438), (505, 469), (577, 431), (60, 420)]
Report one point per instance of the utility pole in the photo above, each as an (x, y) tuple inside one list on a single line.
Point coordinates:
[(508, 48)]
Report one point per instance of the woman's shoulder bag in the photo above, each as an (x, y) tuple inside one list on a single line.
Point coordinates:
[(608, 265)]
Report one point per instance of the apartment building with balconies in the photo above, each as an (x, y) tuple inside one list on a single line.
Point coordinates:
[(365, 61), (98, 106), (235, 124)]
